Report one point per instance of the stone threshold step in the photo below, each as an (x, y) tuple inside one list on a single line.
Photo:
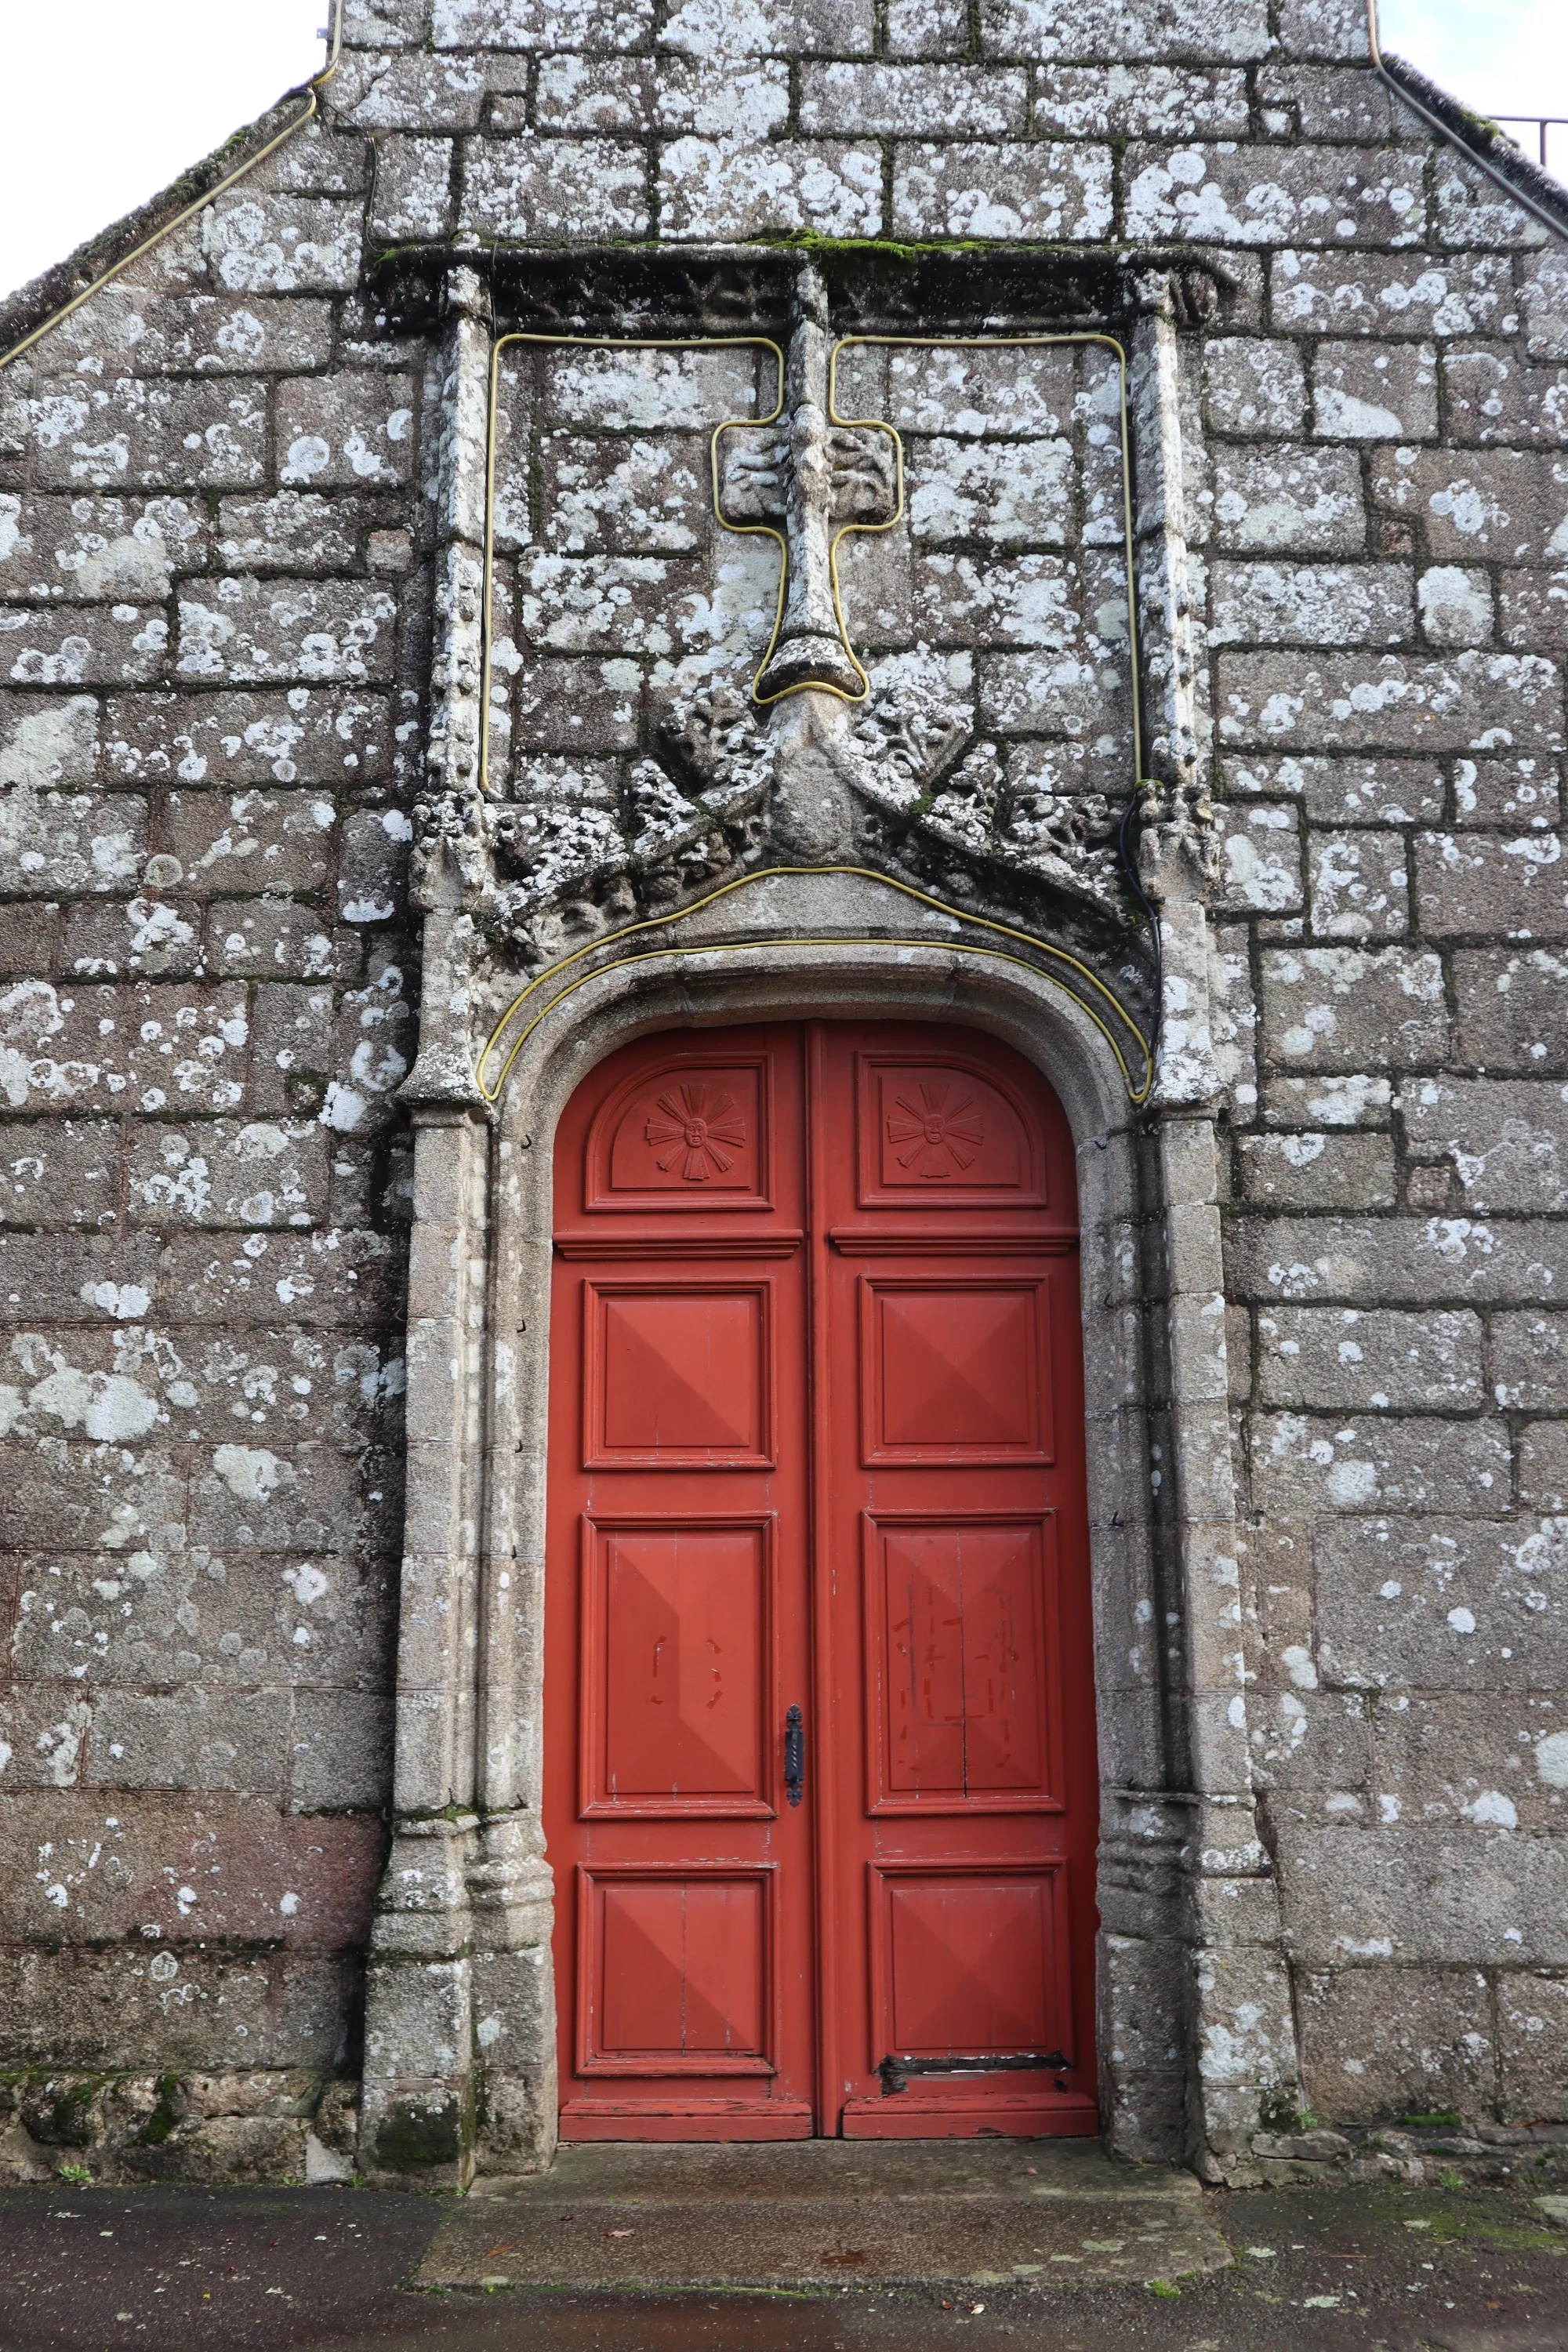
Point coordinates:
[(826, 2214)]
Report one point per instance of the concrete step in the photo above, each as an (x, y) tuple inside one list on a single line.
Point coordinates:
[(829, 2212)]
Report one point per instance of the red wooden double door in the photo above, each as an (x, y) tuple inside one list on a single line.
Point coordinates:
[(820, 1785)]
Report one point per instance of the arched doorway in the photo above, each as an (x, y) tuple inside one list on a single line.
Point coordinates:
[(817, 1443)]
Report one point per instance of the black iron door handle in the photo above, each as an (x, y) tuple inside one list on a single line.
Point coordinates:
[(794, 1756)]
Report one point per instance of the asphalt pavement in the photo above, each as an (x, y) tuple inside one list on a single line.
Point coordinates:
[(335, 2270)]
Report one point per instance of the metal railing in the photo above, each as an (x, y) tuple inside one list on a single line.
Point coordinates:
[(1552, 154)]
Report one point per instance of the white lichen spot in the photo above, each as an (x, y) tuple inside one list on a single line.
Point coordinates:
[(1492, 1809), (250, 1473)]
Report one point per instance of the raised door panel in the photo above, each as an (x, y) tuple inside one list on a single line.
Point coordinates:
[(970, 1961), (963, 1668), (964, 1706), (678, 1682), (955, 1370), (678, 1374), (677, 1966), (935, 1131), (699, 1585), (677, 1502), (692, 1131)]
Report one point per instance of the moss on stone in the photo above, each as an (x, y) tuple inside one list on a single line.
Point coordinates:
[(1280, 2112), (164, 2119), (415, 2139), (75, 2124)]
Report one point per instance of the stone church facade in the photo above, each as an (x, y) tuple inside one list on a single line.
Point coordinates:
[(611, 519)]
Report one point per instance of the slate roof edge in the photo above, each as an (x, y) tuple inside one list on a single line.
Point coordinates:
[(1485, 141), (103, 255)]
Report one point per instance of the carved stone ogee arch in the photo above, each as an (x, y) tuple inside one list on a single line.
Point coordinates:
[(1196, 2034)]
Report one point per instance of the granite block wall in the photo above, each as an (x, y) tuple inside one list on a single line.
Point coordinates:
[(211, 656)]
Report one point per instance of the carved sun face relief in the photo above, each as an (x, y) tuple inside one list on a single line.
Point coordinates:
[(937, 1135), (878, 597), (696, 1131)]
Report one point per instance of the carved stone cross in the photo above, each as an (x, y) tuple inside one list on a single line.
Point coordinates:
[(809, 480)]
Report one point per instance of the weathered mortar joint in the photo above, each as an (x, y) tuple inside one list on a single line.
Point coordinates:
[(1363, 2154)]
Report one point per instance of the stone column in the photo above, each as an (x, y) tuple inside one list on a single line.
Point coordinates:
[(417, 2108), (459, 2032), (417, 2117), (1203, 1840)]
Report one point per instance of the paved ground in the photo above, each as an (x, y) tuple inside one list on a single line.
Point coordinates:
[(828, 2213), (332, 2270)]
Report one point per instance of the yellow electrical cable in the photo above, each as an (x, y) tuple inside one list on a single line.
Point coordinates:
[(741, 530), (1137, 1095), (766, 530), (1008, 343), (317, 83), (742, 947), (311, 107), (313, 88), (602, 343)]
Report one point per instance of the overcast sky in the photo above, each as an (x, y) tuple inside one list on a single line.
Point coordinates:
[(109, 99)]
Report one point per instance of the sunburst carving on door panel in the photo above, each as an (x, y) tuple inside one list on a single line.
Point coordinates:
[(947, 1128), (687, 1134), (940, 1133), (696, 1130)]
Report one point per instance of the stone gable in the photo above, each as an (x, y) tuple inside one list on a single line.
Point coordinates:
[(1161, 408)]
